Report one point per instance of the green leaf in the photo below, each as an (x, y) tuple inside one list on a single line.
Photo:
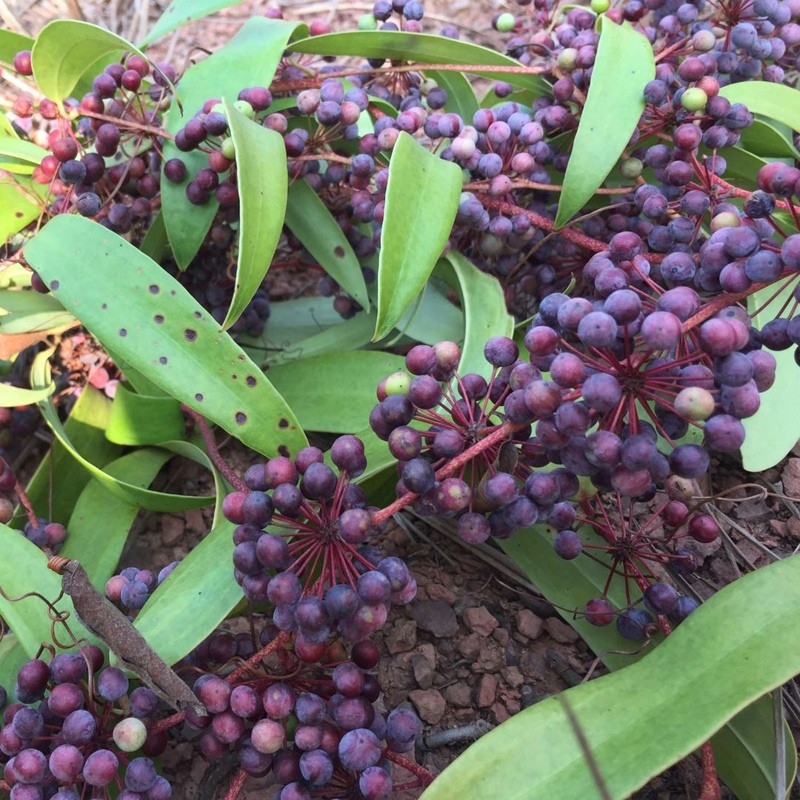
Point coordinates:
[(185, 225), (624, 65), (262, 178), (138, 419), (11, 396), (179, 12), (765, 443), (312, 223), (19, 205), (434, 318), (745, 751), (60, 478), (29, 311), (334, 392), (741, 748), (423, 48), (11, 43), (155, 243), (250, 58), (461, 98), (23, 569), (12, 657), (194, 599), (157, 327), (765, 140), (742, 167), (723, 668), (484, 305), (352, 334), (773, 100), (21, 149), (129, 492), (65, 49), (421, 203), (98, 546)]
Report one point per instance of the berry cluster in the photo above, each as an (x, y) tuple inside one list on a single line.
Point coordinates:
[(302, 544), (316, 731), (74, 728), (132, 587)]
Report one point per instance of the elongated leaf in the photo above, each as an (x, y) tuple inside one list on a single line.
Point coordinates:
[(434, 318), (352, 334), (21, 149), (334, 392), (765, 140), (43, 321), (23, 569), (262, 180), (773, 100), (11, 43), (422, 48), (18, 205), (12, 657), (155, 243), (421, 204), (484, 307), (129, 492), (179, 12), (194, 599), (723, 668), (98, 546), (623, 66), (313, 224), (158, 328), (250, 58), (65, 49), (742, 749), (185, 225), (11, 396), (60, 478), (766, 443), (21, 301), (140, 419)]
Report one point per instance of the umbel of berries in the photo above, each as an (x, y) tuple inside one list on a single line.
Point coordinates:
[(303, 543), (471, 454)]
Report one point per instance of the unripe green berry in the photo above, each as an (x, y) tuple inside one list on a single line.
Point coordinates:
[(726, 219), (694, 99), (219, 108), (567, 59), (397, 383), (695, 403), (129, 734), (704, 41), (505, 22), (600, 6), (367, 22), (631, 168), (245, 108), (227, 148)]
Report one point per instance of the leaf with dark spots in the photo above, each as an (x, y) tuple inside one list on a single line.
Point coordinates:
[(102, 267)]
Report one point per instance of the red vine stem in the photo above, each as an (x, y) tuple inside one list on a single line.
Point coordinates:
[(236, 785), (717, 303), (213, 452), (451, 467), (25, 502), (709, 785), (522, 183), (176, 719), (416, 769), (280, 640)]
